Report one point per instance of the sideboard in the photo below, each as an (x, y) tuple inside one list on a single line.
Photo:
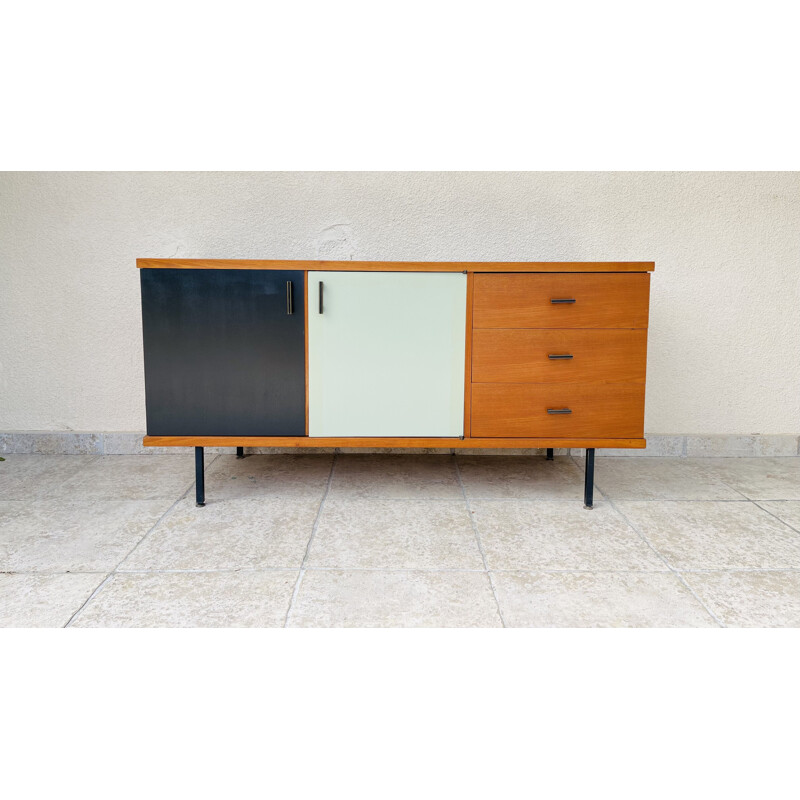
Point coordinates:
[(245, 353)]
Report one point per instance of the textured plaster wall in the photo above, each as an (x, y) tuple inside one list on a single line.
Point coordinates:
[(724, 342)]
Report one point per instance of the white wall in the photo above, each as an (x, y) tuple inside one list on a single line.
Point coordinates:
[(724, 344)]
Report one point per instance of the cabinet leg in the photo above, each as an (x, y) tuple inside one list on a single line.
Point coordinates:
[(199, 477), (549, 453), (588, 483), (240, 452)]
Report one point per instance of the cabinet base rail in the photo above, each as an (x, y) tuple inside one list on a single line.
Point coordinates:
[(390, 441), (200, 483)]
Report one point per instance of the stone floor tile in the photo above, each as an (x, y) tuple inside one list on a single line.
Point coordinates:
[(759, 478), (750, 599), (395, 534), (43, 601), (521, 477), (532, 535), (660, 479), (191, 600), (372, 599), (598, 600), (129, 478), (31, 477), (236, 533), (395, 476), (710, 535), (296, 476), (394, 544), (786, 510), (73, 536)]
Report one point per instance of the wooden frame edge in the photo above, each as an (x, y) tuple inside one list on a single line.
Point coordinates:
[(443, 442), (305, 301), (398, 266), (468, 361)]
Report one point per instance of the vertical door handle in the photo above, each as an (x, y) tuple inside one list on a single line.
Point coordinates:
[(320, 297), (289, 298)]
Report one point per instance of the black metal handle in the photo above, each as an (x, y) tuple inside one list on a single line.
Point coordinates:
[(320, 297), (559, 410), (562, 300), (289, 298), (559, 356)]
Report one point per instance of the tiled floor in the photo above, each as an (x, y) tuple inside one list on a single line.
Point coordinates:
[(398, 540)]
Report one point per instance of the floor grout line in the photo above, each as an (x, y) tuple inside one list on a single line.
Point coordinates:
[(674, 571), (465, 570), (480, 544), (757, 503), (342, 497), (127, 555), (233, 570), (700, 570), (88, 599), (314, 527), (734, 489)]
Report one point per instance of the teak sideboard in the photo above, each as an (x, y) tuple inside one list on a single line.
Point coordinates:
[(394, 354)]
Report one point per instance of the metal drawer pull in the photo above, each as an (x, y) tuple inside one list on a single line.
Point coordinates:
[(289, 298), (563, 300), (559, 410), (320, 297), (559, 357)]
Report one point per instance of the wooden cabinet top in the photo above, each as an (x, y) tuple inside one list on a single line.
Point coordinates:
[(400, 266)]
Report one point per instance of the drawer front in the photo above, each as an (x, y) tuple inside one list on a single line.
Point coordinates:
[(560, 300), (558, 356), (521, 410)]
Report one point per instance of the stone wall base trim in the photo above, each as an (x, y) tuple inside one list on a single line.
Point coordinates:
[(130, 443)]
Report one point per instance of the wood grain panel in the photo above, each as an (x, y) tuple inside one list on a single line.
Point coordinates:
[(399, 266), (502, 355), (524, 301), (311, 441), (520, 409)]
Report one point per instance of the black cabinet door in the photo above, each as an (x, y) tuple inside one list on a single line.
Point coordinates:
[(224, 352)]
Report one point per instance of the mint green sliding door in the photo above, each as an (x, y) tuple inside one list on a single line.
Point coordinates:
[(386, 355)]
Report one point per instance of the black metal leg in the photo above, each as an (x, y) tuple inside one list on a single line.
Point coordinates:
[(199, 477), (588, 484), (240, 452), (549, 453)]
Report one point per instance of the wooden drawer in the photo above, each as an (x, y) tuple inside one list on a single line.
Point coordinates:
[(525, 300), (612, 410), (501, 355)]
